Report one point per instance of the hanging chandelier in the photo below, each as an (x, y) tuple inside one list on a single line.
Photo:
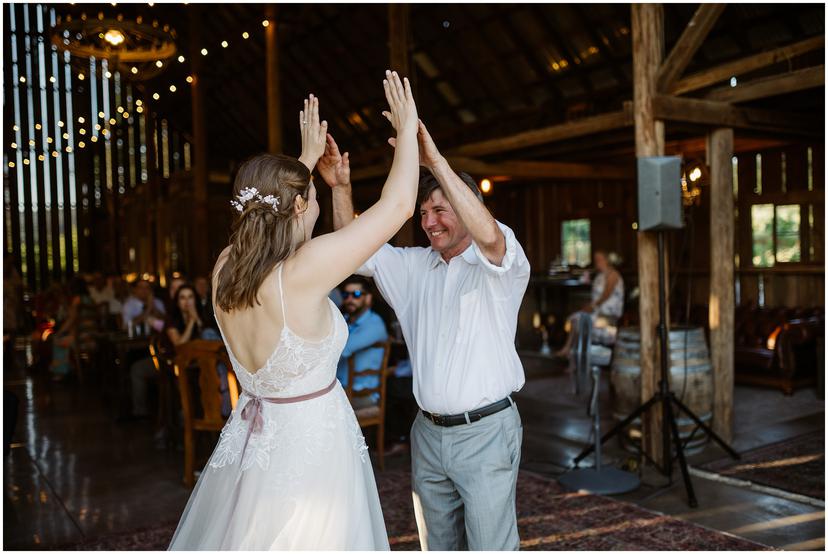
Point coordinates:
[(138, 49)]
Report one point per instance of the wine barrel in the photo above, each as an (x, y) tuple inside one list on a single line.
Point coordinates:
[(691, 379)]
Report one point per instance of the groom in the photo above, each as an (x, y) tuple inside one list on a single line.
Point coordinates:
[(457, 303)]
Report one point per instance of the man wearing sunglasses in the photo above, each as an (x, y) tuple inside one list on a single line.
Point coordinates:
[(365, 327)]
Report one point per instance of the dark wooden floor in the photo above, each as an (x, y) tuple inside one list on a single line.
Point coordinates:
[(75, 473)]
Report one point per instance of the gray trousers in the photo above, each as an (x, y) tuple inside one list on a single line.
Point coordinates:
[(463, 481)]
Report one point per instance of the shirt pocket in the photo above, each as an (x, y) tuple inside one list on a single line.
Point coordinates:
[(469, 314)]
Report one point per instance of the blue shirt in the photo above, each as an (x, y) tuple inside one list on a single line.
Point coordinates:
[(365, 331)]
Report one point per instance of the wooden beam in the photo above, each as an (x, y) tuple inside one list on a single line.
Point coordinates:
[(725, 71), (532, 169), (718, 114), (688, 44), (199, 246), (722, 306), (648, 47), (774, 85), (398, 50), (274, 111), (571, 129), (518, 169)]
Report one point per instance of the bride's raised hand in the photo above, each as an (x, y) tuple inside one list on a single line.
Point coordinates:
[(402, 110), (313, 132)]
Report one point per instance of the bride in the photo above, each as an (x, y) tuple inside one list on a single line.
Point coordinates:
[(291, 470)]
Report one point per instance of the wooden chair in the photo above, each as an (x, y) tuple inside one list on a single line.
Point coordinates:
[(372, 416), (166, 371), (205, 356)]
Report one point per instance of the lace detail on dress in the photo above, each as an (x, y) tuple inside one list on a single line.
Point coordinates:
[(297, 434)]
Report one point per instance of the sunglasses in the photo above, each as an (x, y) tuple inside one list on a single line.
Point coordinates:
[(355, 294)]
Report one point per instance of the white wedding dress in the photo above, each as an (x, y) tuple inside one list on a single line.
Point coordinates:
[(288, 476)]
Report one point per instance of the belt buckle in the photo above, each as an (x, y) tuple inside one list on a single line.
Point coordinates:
[(437, 419)]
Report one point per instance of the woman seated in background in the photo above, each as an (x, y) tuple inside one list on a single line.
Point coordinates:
[(71, 328), (186, 323), (605, 309)]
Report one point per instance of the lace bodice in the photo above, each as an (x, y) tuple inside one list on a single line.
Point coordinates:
[(297, 366)]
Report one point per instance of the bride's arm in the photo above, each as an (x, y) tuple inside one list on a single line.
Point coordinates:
[(325, 261)]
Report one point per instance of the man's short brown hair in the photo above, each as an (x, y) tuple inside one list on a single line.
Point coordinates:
[(429, 183)]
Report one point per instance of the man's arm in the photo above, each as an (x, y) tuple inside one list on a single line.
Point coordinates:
[(335, 170), (471, 211)]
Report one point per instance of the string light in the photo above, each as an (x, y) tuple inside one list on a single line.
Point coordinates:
[(11, 164), (52, 79), (224, 44), (159, 63), (139, 109), (189, 78), (60, 124), (97, 126), (15, 128), (82, 131), (49, 140), (81, 77), (26, 161), (14, 145), (94, 138), (203, 51), (245, 35), (134, 70), (120, 109), (81, 120), (139, 102), (265, 23), (126, 115), (108, 75), (101, 115), (69, 149), (112, 121), (81, 144), (181, 59), (55, 154), (31, 142), (38, 126), (22, 79), (156, 96), (41, 157), (172, 88), (66, 136)]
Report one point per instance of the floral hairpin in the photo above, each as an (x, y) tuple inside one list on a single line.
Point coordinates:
[(252, 193)]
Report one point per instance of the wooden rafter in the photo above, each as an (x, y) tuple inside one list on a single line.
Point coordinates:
[(688, 44), (563, 131), (722, 114), (773, 85), (520, 169), (725, 71)]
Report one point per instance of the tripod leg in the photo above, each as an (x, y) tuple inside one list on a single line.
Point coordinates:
[(626, 421), (691, 494), (710, 433)]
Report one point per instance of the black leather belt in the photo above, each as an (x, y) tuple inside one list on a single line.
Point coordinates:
[(468, 417)]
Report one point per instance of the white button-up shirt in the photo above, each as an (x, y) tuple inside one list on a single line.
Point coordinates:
[(459, 320)]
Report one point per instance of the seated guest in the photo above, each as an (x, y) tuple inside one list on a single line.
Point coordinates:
[(142, 307), (205, 301), (364, 329), (69, 328), (101, 290), (175, 282), (606, 307)]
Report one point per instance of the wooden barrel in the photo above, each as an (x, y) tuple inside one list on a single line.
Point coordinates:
[(691, 379)]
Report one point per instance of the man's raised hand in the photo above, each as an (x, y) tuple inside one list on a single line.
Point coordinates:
[(335, 168)]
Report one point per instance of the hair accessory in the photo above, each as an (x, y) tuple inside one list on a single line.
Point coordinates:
[(252, 193)]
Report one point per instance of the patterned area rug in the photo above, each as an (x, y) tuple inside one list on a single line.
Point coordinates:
[(795, 465), (549, 518)]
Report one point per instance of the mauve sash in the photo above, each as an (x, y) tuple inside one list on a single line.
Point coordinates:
[(253, 409)]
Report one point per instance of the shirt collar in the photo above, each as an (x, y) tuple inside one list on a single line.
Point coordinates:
[(359, 320), (468, 255)]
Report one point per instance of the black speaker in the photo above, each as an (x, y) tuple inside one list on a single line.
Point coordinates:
[(659, 193)]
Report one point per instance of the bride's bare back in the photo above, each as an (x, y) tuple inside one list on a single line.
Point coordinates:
[(254, 333)]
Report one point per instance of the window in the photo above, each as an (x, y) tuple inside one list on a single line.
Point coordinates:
[(776, 234), (575, 243)]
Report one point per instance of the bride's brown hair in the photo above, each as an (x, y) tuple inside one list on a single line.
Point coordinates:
[(261, 236)]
